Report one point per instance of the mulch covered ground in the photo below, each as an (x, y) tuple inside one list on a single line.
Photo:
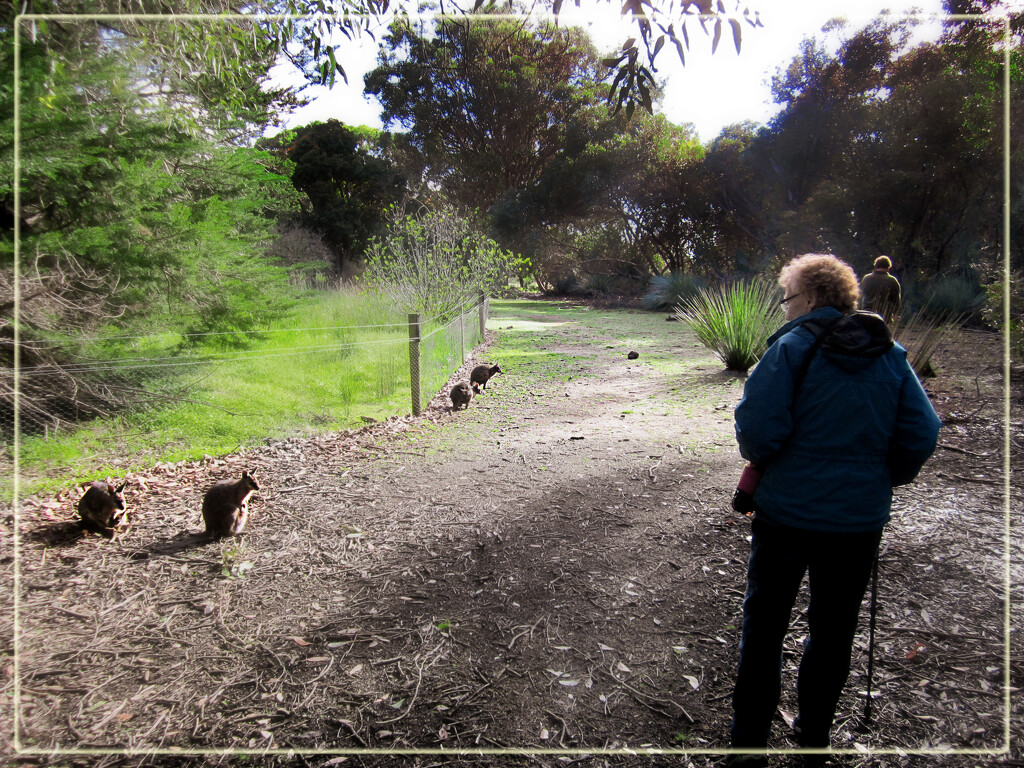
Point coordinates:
[(554, 569)]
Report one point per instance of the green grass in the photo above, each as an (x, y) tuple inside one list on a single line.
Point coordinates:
[(338, 358)]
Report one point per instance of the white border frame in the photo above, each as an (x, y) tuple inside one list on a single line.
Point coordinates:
[(512, 751)]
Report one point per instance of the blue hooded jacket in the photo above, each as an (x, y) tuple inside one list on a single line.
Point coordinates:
[(861, 423)]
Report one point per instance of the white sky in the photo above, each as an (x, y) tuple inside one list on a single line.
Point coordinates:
[(711, 91)]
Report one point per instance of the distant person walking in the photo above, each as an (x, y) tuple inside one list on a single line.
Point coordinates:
[(880, 291)]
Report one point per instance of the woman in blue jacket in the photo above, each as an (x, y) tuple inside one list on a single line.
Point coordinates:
[(831, 452)]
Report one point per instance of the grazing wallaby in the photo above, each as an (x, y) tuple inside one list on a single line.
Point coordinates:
[(633, 355), (101, 508), (462, 393), (482, 373), (225, 506)]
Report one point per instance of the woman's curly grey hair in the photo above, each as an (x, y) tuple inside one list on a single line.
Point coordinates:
[(829, 280)]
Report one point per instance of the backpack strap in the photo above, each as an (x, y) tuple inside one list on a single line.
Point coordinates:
[(820, 332)]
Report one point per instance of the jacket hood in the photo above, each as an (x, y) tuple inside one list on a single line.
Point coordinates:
[(861, 334), (853, 340)]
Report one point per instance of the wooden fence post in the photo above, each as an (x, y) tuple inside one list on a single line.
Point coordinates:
[(414, 362), (462, 331)]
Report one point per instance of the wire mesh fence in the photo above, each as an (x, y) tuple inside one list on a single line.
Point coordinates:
[(444, 348), (119, 402)]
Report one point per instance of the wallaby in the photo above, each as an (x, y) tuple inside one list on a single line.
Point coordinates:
[(225, 506), (482, 373), (101, 508), (462, 393)]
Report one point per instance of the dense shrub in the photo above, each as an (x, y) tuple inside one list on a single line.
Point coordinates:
[(950, 297), (436, 262), (671, 290), (600, 284), (566, 284), (996, 315)]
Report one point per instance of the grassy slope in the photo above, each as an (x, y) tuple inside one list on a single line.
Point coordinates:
[(325, 367)]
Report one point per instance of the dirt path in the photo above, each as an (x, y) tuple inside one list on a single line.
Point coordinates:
[(554, 568)]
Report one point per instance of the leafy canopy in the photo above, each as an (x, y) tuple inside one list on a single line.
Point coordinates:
[(111, 181), (486, 103), (221, 61)]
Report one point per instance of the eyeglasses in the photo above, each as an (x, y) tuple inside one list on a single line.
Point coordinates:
[(788, 299)]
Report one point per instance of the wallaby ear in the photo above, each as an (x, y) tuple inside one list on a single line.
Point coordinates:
[(121, 487)]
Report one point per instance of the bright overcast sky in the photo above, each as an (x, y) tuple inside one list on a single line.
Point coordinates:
[(711, 91)]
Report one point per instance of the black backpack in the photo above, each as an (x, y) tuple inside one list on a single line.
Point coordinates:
[(859, 334)]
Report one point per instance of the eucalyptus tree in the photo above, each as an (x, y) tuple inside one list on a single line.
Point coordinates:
[(486, 103), (825, 99), (655, 191), (976, 46), (350, 188), (568, 215), (934, 154)]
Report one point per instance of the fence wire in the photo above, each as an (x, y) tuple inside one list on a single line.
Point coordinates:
[(138, 397), (444, 349)]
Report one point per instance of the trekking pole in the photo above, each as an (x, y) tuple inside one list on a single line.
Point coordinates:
[(871, 637)]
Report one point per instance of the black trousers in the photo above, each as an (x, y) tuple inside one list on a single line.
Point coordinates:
[(838, 566)]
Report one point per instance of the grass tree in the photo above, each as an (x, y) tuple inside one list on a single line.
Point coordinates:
[(734, 321)]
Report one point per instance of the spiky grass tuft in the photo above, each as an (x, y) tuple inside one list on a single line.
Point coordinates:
[(734, 321), (669, 291), (922, 333)]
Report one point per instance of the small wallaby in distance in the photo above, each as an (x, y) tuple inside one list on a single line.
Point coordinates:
[(101, 508), (462, 393), (225, 506), (482, 374)]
